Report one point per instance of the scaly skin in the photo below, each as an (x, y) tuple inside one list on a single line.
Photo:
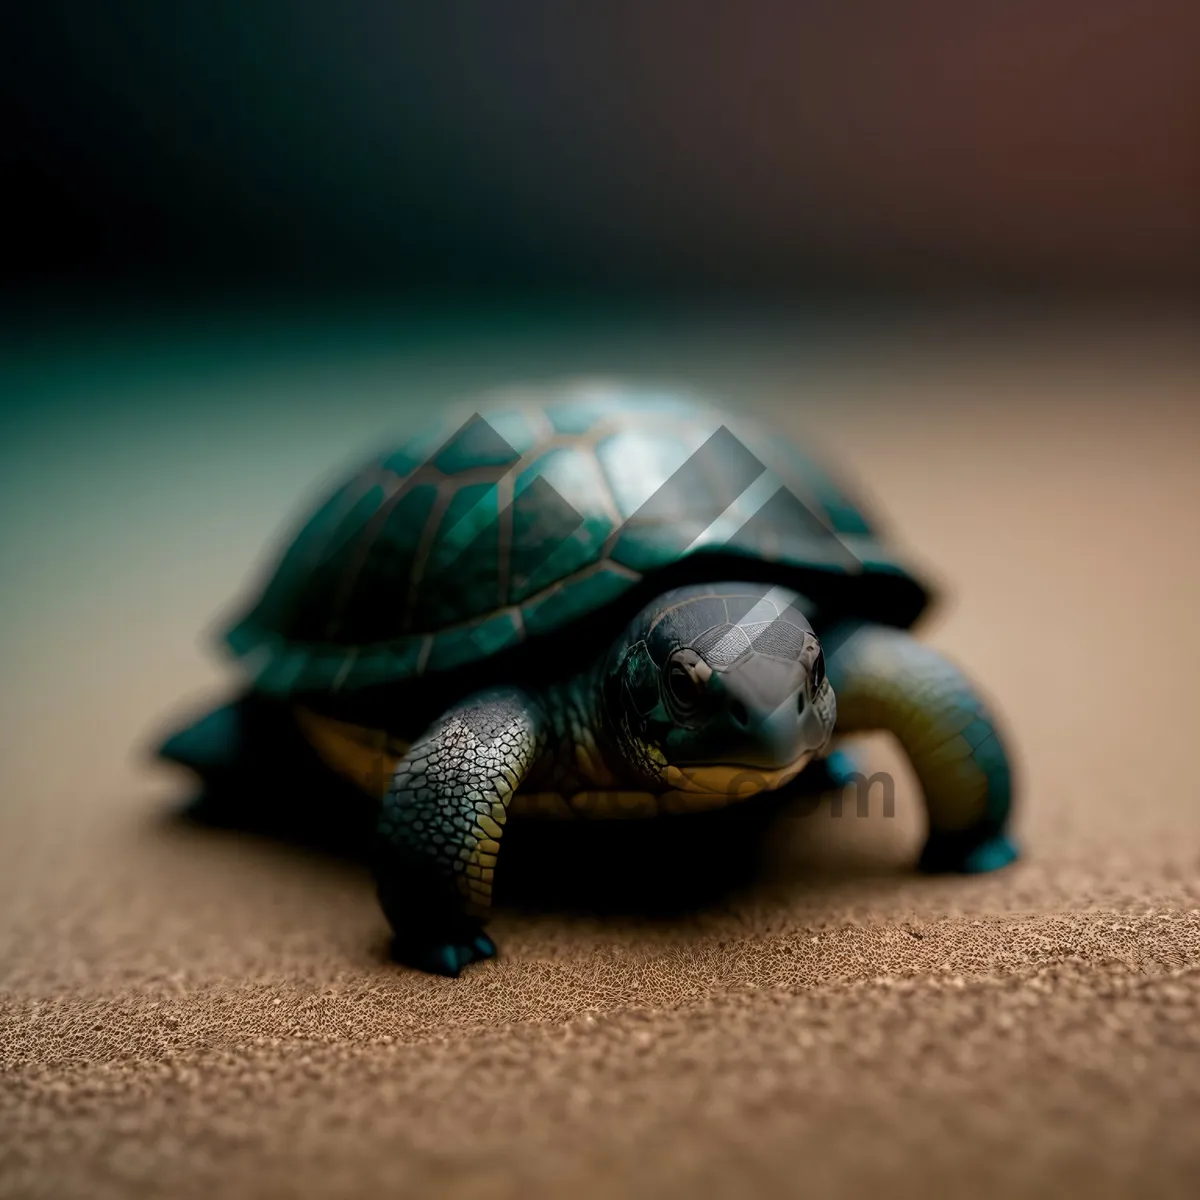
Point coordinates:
[(575, 759), (442, 820), (594, 744), (885, 680), (441, 823)]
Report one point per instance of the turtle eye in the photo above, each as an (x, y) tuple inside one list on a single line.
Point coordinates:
[(818, 671), (686, 690)]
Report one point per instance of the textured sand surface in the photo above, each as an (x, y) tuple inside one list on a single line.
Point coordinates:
[(187, 1012)]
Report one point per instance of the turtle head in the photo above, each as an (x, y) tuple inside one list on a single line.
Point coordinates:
[(718, 689)]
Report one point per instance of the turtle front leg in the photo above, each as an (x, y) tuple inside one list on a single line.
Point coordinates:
[(441, 824), (886, 680)]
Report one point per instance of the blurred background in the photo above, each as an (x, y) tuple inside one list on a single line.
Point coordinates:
[(242, 242), (790, 148), (954, 243)]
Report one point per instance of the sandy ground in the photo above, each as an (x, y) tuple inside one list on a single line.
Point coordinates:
[(186, 1012)]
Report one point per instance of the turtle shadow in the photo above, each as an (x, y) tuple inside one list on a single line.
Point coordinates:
[(656, 868), (664, 867), (660, 867), (308, 824)]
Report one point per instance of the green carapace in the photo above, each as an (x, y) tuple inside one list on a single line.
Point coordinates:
[(590, 601)]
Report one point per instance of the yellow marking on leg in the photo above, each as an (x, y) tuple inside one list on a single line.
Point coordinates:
[(887, 681), (489, 827)]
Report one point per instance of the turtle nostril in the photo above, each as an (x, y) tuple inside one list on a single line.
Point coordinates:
[(801, 700), (737, 710)]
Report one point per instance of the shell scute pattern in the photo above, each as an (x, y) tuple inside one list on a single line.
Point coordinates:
[(305, 572), (479, 444), (557, 513), (465, 644), (456, 545), (462, 561), (577, 598)]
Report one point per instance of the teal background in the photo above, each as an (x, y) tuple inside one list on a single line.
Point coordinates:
[(149, 467), (953, 245)]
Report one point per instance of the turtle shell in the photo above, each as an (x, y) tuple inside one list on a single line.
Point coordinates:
[(538, 510)]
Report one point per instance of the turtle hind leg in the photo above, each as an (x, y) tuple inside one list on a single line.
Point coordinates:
[(223, 750), (211, 747), (258, 775), (235, 744), (886, 680), (441, 824)]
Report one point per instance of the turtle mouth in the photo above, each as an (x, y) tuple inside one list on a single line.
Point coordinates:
[(733, 780)]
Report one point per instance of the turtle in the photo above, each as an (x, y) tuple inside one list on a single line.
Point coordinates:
[(592, 599)]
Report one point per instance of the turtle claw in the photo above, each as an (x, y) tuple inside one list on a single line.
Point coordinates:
[(945, 854), (841, 767), (444, 958), (829, 774)]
